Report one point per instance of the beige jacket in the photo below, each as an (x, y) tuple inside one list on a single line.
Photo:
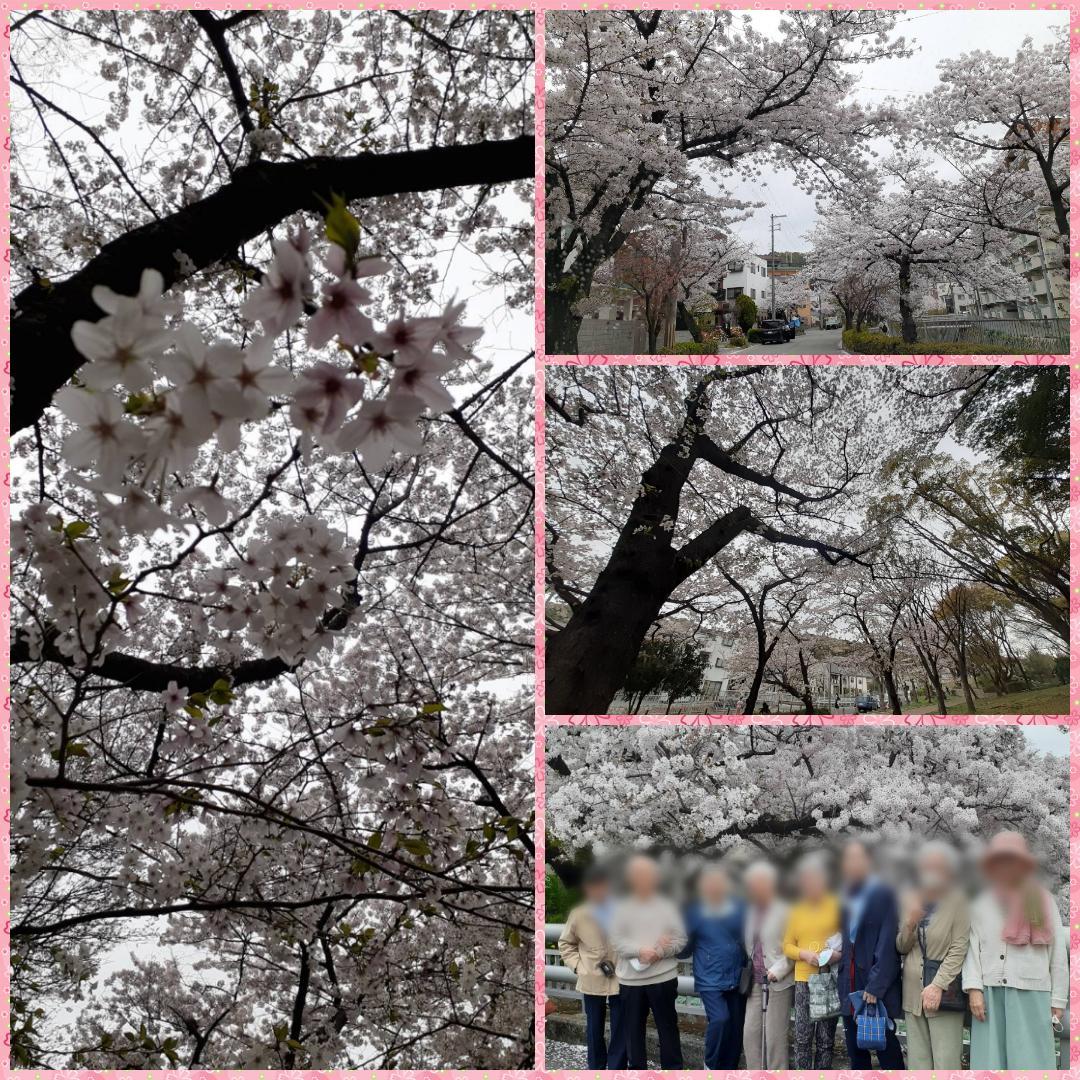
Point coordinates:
[(991, 962), (947, 935), (582, 945)]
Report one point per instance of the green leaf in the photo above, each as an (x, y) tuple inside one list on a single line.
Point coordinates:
[(75, 529), (222, 684), (489, 831), (416, 845), (433, 707), (194, 712), (375, 840), (341, 227)]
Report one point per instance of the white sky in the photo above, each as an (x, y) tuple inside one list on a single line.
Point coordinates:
[(936, 37), (1051, 739)]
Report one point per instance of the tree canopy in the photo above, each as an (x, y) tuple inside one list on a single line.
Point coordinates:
[(272, 504)]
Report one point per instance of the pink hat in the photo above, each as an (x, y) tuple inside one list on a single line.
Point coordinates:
[(1008, 845)]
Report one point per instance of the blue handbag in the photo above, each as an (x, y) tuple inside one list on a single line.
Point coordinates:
[(871, 1023)]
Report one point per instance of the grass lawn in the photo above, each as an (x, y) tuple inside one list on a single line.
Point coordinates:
[(1046, 701)]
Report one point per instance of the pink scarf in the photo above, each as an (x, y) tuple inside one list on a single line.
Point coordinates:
[(1028, 915)]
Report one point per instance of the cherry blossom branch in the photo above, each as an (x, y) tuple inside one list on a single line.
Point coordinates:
[(261, 195), (136, 673)]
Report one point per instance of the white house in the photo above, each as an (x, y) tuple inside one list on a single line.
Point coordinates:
[(748, 276)]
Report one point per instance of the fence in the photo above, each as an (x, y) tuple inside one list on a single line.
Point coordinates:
[(615, 337), (1019, 335)]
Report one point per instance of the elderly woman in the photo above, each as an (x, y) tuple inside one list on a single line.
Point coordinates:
[(933, 941), (1015, 974), (773, 986), (813, 925)]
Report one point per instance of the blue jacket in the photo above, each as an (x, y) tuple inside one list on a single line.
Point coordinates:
[(716, 944), (871, 961)]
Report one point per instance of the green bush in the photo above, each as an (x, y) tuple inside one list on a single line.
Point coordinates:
[(737, 341), (745, 311), (558, 899), (754, 336), (869, 341)]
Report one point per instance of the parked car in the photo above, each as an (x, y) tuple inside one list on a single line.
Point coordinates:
[(833, 323), (773, 332), (867, 703)]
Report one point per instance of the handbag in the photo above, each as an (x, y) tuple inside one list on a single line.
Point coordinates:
[(953, 998), (824, 995), (871, 1024)]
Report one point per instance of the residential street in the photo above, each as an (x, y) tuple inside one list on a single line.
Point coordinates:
[(812, 343)]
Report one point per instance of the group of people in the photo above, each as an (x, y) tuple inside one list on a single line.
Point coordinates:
[(930, 956)]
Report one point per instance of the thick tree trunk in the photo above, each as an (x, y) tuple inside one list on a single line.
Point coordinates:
[(561, 323), (587, 661), (889, 679), (907, 315), (691, 322), (754, 690), (965, 683)]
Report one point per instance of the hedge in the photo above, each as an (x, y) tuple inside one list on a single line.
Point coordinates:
[(754, 336), (868, 341), (684, 348)]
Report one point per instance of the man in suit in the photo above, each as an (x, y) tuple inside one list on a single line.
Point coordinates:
[(869, 962), (586, 951)]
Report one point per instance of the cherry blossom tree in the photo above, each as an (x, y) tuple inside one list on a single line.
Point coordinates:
[(744, 791), (644, 106), (806, 513), (1004, 123), (272, 501), (895, 235), (653, 473)]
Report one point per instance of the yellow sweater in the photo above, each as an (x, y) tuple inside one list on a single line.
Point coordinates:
[(809, 927)]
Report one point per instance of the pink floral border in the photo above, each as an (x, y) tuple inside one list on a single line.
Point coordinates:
[(14, 9)]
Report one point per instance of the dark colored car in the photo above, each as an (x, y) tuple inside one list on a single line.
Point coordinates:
[(867, 703), (773, 332)]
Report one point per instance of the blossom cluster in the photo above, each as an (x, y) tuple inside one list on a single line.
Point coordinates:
[(156, 390)]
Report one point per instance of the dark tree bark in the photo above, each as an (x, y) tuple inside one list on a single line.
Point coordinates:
[(260, 196), (135, 673), (907, 316)]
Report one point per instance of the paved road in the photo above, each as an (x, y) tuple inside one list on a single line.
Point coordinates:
[(812, 343)]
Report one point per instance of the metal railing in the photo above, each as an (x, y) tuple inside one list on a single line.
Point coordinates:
[(559, 979), (1022, 335)]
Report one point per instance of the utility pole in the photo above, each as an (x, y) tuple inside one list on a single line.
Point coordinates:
[(773, 219)]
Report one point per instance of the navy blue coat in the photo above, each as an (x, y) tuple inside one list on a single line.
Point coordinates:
[(716, 944), (871, 962)]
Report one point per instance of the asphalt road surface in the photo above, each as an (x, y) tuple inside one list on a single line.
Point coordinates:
[(812, 343)]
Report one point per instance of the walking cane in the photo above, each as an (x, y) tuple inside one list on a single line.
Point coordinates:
[(764, 1009)]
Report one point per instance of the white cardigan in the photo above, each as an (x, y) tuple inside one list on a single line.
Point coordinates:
[(992, 962), (772, 942)]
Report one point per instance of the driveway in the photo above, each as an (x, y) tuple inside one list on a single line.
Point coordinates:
[(812, 343)]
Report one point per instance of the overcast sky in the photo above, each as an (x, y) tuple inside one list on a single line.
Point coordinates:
[(1050, 739), (936, 36)]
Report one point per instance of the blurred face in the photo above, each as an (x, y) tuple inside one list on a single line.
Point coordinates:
[(760, 888), (642, 876), (935, 873), (596, 892), (1006, 871), (713, 887), (855, 863), (811, 883)]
